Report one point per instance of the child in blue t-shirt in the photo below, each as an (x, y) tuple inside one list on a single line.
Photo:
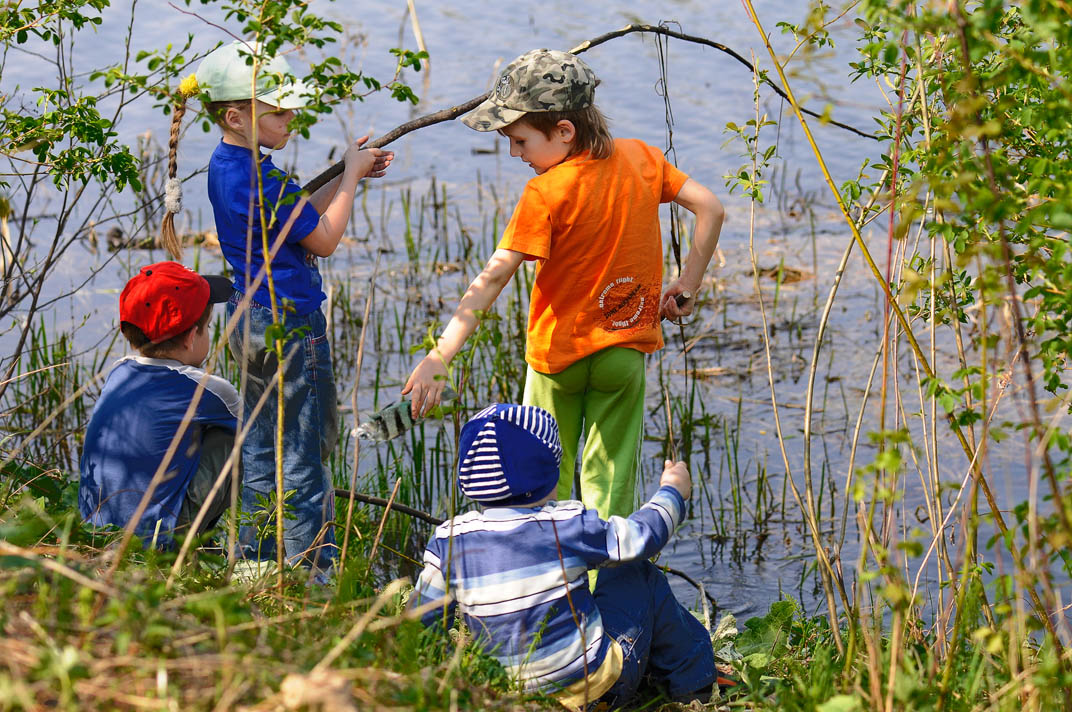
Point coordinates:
[(297, 233), (145, 403)]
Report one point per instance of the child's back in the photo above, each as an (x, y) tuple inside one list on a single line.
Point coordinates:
[(148, 400), (517, 571), (506, 568), (594, 226), (590, 218)]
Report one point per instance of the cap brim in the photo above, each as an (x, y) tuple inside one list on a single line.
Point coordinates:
[(220, 288), (489, 116), (294, 95)]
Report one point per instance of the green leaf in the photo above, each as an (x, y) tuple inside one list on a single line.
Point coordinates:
[(768, 634), (841, 703), (13, 561), (274, 332)]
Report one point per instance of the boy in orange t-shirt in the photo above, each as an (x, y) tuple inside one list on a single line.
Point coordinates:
[(590, 218)]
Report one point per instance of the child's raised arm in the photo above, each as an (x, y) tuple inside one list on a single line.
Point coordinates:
[(430, 376), (336, 199), (709, 213)]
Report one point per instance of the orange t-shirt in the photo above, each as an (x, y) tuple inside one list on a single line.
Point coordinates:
[(593, 224)]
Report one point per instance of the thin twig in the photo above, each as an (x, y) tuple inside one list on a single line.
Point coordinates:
[(690, 580), (660, 30), (36, 370), (383, 522), (357, 441)]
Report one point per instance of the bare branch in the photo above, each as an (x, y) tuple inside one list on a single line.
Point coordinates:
[(456, 111)]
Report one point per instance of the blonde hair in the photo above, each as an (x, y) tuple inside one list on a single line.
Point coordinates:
[(589, 124), (173, 188)]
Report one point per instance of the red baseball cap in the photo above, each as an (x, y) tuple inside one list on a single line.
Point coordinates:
[(165, 299)]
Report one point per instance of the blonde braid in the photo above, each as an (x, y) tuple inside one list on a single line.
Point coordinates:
[(173, 188)]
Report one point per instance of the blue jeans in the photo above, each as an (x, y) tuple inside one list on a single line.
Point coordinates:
[(310, 432), (659, 637)]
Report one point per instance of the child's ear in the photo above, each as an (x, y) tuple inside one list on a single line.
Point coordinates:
[(188, 338), (566, 130), (233, 118)]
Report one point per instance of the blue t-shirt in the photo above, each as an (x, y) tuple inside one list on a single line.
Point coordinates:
[(230, 184), (139, 411)]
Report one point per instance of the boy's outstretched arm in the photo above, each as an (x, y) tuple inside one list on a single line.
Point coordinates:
[(643, 533), (430, 376), (709, 213)]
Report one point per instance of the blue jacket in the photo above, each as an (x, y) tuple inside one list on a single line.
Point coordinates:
[(139, 411)]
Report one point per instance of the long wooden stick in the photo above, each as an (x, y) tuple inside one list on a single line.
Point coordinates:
[(436, 521), (381, 502), (463, 108)]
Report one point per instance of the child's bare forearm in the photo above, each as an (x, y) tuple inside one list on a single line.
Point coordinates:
[(704, 242), (321, 199), (482, 293), (426, 381), (709, 216), (325, 238), (337, 214)]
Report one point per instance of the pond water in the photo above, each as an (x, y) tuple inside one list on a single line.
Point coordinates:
[(746, 541)]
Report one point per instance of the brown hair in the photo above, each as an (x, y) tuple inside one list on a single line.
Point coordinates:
[(216, 110), (168, 238), (589, 124), (140, 341)]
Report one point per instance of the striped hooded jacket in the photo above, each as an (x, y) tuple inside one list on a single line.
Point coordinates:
[(518, 576)]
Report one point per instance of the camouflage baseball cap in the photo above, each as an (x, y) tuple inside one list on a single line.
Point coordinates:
[(540, 80)]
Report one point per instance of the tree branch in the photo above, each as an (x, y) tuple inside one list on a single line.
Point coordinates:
[(456, 111), (381, 502)]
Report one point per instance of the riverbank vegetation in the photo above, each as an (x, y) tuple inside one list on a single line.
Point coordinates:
[(938, 548)]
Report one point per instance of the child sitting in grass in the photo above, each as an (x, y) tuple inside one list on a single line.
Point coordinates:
[(590, 218), (516, 571), (151, 398)]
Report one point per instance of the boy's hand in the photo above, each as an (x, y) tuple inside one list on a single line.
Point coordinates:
[(677, 301), (427, 383), (677, 476), (367, 162)]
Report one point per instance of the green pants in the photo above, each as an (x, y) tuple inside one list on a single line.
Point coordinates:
[(602, 397)]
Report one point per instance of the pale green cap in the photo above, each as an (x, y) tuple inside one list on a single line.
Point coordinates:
[(224, 76)]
